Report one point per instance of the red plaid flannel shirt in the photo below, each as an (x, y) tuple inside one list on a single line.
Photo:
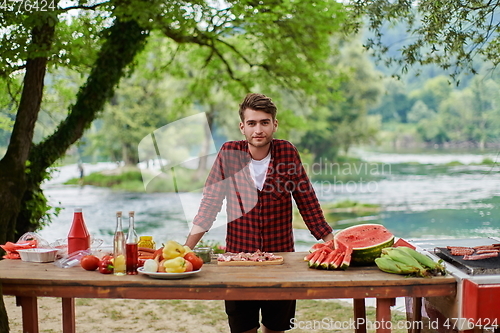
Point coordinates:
[(260, 220)]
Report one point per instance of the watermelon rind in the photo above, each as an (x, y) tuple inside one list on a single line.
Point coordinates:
[(366, 240), (337, 261), (346, 261), (312, 262)]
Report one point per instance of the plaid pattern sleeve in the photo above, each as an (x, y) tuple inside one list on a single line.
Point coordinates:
[(308, 204), (260, 220), (214, 193)]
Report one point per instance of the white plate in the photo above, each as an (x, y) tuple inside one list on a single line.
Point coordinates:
[(168, 276)]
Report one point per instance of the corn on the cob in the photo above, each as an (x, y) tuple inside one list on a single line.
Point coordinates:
[(387, 265), (425, 261), (397, 254)]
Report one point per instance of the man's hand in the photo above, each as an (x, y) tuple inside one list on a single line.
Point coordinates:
[(194, 236), (328, 237)]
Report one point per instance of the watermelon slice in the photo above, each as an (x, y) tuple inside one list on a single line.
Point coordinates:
[(309, 256), (331, 258), (324, 264), (346, 261), (338, 259), (366, 242), (316, 261), (319, 246), (312, 261), (347, 251)]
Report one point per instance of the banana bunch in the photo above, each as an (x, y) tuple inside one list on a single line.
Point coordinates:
[(406, 261)]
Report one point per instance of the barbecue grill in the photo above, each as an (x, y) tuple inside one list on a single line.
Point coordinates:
[(476, 303)]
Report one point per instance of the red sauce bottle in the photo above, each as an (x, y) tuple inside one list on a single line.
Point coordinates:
[(78, 237), (132, 255)]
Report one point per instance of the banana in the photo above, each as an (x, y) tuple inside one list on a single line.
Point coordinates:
[(425, 260)]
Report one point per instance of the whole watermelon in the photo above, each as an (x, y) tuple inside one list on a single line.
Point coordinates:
[(366, 241)]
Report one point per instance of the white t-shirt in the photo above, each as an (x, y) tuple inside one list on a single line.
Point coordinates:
[(258, 170)]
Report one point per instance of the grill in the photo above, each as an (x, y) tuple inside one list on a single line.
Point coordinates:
[(471, 267), (478, 285)]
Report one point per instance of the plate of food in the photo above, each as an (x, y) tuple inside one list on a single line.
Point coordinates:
[(167, 276), (249, 259)]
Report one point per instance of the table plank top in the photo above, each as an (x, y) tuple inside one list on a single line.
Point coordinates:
[(217, 281)]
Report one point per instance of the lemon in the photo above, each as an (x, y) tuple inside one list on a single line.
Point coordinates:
[(119, 263)]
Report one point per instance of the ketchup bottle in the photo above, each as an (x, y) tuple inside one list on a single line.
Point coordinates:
[(78, 237)]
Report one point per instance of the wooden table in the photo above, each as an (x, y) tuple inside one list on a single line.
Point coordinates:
[(291, 280)]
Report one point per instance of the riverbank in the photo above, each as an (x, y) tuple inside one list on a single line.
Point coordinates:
[(186, 316)]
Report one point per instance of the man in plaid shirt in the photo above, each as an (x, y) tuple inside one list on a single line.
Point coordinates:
[(258, 178)]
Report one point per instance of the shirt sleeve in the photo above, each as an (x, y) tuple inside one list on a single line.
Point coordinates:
[(214, 193), (308, 203)]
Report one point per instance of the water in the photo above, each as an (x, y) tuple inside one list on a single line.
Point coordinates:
[(417, 202)]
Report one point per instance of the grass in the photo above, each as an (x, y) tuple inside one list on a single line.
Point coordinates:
[(124, 315), (336, 213), (130, 179)]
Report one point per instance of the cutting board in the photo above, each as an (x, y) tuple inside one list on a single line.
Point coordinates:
[(251, 263)]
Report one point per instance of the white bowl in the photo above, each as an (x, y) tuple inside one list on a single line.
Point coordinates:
[(38, 255)]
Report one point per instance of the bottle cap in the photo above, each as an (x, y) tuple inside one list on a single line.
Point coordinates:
[(131, 213), (78, 210), (146, 237), (118, 214)]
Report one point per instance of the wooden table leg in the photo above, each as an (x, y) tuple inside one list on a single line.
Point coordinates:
[(383, 323), (360, 315), (68, 315), (29, 309), (416, 319)]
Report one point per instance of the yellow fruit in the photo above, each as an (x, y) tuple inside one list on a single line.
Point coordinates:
[(187, 249), (173, 250), (176, 265), (119, 263)]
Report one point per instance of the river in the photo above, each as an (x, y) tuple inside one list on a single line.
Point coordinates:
[(462, 202)]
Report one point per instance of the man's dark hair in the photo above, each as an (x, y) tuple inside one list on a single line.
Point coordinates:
[(258, 102)]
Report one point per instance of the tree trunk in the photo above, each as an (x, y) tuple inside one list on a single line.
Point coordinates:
[(124, 40), (129, 155), (20, 191), (4, 320), (13, 164)]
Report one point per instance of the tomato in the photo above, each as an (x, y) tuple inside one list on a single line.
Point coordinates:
[(194, 259), (189, 266), (89, 262), (106, 265)]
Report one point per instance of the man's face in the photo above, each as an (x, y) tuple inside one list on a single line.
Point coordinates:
[(258, 127)]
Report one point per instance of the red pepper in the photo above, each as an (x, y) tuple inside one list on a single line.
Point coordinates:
[(106, 265)]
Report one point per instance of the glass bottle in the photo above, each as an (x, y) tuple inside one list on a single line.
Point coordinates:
[(78, 236), (131, 246), (119, 251)]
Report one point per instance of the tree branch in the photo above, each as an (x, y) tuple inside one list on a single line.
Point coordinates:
[(124, 41), (83, 7)]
